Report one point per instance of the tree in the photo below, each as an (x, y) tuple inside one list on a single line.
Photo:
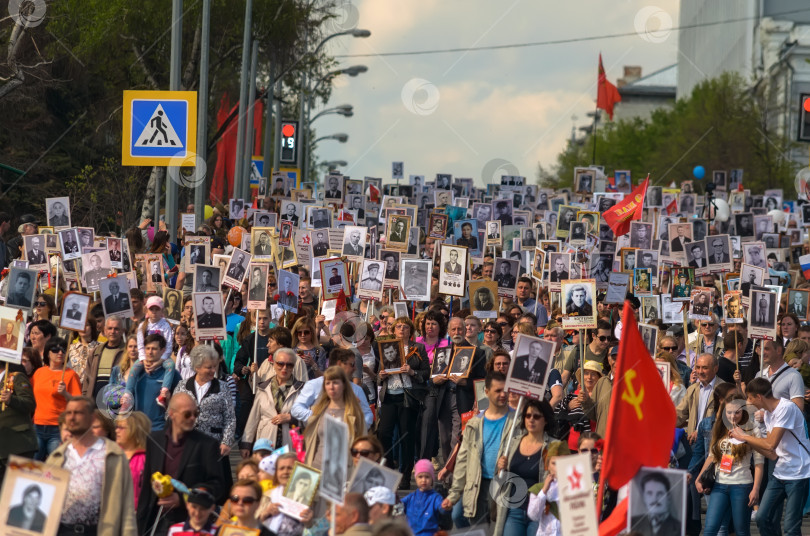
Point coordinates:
[(721, 125)]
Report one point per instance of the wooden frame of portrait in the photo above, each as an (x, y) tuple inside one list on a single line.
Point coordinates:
[(458, 353), (22, 476), (83, 301), (398, 344)]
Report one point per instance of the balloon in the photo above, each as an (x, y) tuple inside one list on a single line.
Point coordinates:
[(235, 235), (778, 216), (721, 211), (208, 211), (699, 172), (150, 233)]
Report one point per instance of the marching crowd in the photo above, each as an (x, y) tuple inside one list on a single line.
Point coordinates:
[(129, 397)]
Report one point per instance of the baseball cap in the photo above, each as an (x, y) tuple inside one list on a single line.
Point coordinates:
[(262, 444), (380, 495), (154, 301), (201, 497)]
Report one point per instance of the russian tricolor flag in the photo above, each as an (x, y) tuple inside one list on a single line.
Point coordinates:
[(804, 261)]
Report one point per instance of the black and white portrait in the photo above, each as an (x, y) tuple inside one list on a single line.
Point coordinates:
[(236, 209), (415, 279), (237, 268), (74, 311), (115, 296), (654, 197), (30, 504), (206, 278), (718, 250), (354, 242), (798, 303), (58, 211), (762, 313), (680, 234), (453, 262), (483, 298), (441, 362), (257, 285), (641, 235), (696, 254), (333, 476), (505, 273), (754, 254), (483, 213), (392, 355), (744, 224), (288, 290), (529, 369), (567, 214), (369, 474), (21, 288), (657, 503), (559, 267), (649, 334), (69, 240), (462, 359), (579, 304), (321, 218), (208, 313), (503, 211), (334, 188), (719, 179), (302, 484), (577, 234)]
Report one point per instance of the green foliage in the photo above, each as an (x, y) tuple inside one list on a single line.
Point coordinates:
[(720, 126)]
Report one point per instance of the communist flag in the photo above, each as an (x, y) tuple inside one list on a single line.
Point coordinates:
[(621, 214), (607, 95), (638, 402)]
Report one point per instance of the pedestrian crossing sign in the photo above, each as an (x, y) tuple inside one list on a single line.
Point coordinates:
[(159, 128)]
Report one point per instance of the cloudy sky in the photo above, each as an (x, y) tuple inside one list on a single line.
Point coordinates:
[(467, 113)]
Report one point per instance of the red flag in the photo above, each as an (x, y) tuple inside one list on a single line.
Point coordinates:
[(639, 401), (607, 94), (616, 521), (621, 214), (672, 207)]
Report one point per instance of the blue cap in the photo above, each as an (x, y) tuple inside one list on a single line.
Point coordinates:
[(262, 444)]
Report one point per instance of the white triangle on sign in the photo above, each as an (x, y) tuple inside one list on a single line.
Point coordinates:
[(159, 132)]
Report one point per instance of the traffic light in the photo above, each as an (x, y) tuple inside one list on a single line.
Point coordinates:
[(289, 142), (804, 117)]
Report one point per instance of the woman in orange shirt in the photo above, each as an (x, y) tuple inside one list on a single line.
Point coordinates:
[(53, 386)]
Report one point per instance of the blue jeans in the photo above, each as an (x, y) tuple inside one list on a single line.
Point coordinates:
[(795, 491), (48, 439), (726, 502), (481, 509), (519, 524)]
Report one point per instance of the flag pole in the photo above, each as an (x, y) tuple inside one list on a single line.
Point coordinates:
[(593, 133)]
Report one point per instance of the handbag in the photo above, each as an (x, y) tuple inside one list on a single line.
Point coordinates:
[(709, 477)]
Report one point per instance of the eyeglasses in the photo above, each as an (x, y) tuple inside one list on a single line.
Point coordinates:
[(40, 304), (189, 414), (58, 350), (236, 499), (282, 364), (304, 332), (365, 453), (669, 348), (534, 416), (490, 330), (559, 319), (603, 338)]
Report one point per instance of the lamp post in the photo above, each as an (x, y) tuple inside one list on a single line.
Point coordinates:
[(302, 101), (346, 110), (340, 137)]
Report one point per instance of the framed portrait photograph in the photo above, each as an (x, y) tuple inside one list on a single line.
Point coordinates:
[(34, 251), (437, 226), (696, 257), (57, 210), (86, 238), (22, 285), (762, 314), (583, 180), (236, 209), (397, 232), (333, 192), (627, 260), (335, 466), (700, 307), (115, 296), (465, 233), (579, 303), (400, 309), (660, 495), (172, 305), (493, 235), (649, 334), (538, 264), (75, 307), (719, 253), (354, 242), (392, 273), (288, 290), (392, 355), (461, 362), (591, 219), (559, 268), (369, 474), (505, 275), (744, 225), (300, 490), (654, 197), (623, 180), (198, 252), (415, 279), (650, 308), (32, 497), (209, 315), (482, 212), (285, 233), (207, 278), (484, 299), (257, 285), (262, 218), (750, 276), (798, 301), (732, 307), (565, 215), (370, 286), (641, 235), (115, 249), (96, 266), (333, 278), (321, 218), (12, 335), (577, 234), (754, 254), (642, 282), (441, 362), (528, 371), (687, 203), (320, 243), (237, 268), (453, 263), (69, 240), (683, 279)]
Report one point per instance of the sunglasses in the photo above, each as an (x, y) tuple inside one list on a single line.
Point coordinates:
[(365, 453), (304, 332), (669, 348), (189, 414), (58, 350), (502, 323), (490, 330), (534, 416), (592, 451), (282, 364), (603, 338), (236, 499), (40, 304), (707, 325)]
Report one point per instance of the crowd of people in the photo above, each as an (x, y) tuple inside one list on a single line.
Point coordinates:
[(131, 396)]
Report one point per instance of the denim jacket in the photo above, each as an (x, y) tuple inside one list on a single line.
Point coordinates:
[(702, 445)]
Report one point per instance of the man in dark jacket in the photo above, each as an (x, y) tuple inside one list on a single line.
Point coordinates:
[(185, 454), (16, 424)]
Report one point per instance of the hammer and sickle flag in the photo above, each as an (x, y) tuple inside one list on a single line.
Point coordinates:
[(630, 208), (641, 419)]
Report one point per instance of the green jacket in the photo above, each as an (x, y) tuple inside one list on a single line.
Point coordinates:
[(16, 422), (117, 514), (467, 473)]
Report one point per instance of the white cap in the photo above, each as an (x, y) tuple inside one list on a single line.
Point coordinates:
[(268, 464), (380, 495)]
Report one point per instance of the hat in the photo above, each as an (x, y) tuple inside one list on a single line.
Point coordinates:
[(154, 301), (380, 495), (262, 444), (614, 350), (268, 464), (201, 497), (557, 448), (424, 466), (595, 366)]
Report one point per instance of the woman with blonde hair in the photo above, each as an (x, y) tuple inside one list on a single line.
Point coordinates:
[(337, 400), (131, 433), (306, 345), (676, 389)]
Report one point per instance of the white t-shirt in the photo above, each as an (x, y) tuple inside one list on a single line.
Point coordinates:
[(788, 384), (794, 461)]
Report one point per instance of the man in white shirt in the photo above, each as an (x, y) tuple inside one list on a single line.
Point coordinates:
[(786, 381), (785, 442)]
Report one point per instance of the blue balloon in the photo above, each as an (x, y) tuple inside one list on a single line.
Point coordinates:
[(699, 172)]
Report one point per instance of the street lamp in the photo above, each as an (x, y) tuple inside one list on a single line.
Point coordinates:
[(334, 164), (346, 110), (340, 137)]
